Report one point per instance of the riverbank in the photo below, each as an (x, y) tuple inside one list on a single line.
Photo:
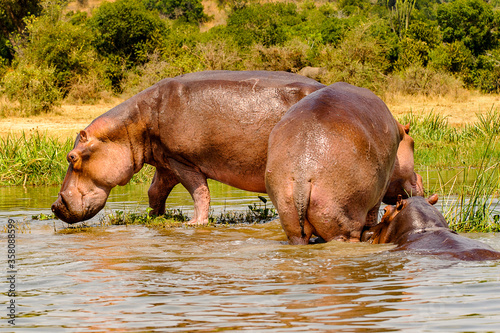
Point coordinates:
[(69, 119)]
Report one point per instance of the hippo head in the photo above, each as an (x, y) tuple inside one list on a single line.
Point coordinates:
[(407, 215), (404, 180), (97, 163)]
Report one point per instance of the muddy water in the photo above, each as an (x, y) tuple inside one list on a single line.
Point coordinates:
[(234, 278)]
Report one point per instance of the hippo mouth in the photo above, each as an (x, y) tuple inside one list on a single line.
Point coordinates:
[(65, 212)]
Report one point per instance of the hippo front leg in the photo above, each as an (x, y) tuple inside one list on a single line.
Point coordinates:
[(163, 182), (196, 183)]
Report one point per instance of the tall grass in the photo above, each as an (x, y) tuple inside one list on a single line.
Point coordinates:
[(39, 159), (475, 206), (439, 145), (34, 159)]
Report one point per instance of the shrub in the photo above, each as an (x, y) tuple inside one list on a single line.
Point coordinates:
[(290, 58), (420, 80), (469, 21), (360, 59), (264, 24), (453, 57), (126, 30), (34, 87), (411, 53), (188, 10), (55, 43)]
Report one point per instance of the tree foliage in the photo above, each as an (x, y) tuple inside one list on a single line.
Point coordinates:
[(126, 30), (420, 46), (469, 21), (188, 10)]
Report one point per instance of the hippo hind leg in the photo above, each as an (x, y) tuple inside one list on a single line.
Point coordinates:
[(163, 182), (196, 183), (289, 217)]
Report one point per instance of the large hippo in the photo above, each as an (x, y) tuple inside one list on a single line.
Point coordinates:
[(213, 124), (414, 224), (329, 163), (196, 126)]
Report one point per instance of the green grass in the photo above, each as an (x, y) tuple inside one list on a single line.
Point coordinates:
[(256, 213), (441, 146), (38, 159), (35, 159)]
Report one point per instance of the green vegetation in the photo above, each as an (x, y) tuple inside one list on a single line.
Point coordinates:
[(48, 53), (256, 213), (38, 159)]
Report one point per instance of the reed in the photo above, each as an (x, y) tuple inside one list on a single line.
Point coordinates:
[(472, 199), (34, 159)]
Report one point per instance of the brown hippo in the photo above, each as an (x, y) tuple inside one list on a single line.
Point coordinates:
[(415, 224), (330, 159), (213, 124), (404, 177)]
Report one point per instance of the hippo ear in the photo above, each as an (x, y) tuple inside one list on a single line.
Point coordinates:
[(83, 136), (433, 199), (399, 204), (407, 128)]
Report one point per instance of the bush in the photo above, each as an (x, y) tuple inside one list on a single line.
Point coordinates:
[(290, 58), (418, 80), (188, 10), (469, 21), (360, 59), (264, 24), (55, 43), (34, 87), (454, 58), (126, 30)]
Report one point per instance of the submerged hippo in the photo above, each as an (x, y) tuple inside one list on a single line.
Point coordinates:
[(213, 124), (415, 224), (329, 163)]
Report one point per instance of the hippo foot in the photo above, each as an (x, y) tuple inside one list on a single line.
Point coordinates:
[(197, 222), (316, 240)]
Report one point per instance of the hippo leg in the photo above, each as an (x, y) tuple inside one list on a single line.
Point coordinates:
[(163, 182), (289, 217), (196, 183), (372, 216)]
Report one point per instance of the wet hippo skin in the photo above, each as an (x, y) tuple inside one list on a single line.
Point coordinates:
[(414, 224), (197, 126), (330, 160)]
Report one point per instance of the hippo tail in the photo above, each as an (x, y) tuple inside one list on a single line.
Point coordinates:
[(301, 196)]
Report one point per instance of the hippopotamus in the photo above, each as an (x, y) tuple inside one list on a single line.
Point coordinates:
[(414, 224), (404, 180), (329, 163), (212, 124), (194, 127)]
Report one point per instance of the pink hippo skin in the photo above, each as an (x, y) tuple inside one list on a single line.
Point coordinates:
[(330, 159), (203, 125), (415, 225), (404, 180)]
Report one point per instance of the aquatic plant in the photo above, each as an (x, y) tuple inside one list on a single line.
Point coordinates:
[(32, 159), (474, 209)]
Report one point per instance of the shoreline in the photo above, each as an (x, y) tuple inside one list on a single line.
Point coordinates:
[(69, 119)]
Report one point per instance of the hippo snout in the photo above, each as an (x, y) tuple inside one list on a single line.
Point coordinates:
[(62, 210)]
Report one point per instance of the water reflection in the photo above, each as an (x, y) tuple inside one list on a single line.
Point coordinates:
[(243, 278), (235, 278)]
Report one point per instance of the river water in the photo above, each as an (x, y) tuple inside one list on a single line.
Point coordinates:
[(228, 278)]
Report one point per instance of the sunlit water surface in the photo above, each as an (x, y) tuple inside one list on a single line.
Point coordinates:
[(234, 278)]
